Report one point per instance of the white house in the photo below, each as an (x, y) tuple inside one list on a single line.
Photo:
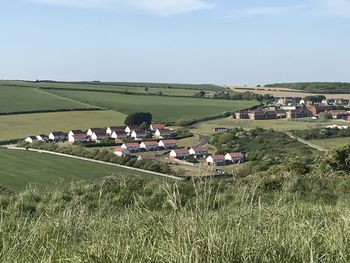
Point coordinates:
[(138, 134), (179, 153), (236, 157), (74, 132), (129, 129), (119, 151), (31, 139), (98, 136), (156, 126), (167, 144), (132, 147), (199, 151), (98, 130), (149, 146), (119, 135), (77, 138), (112, 129), (42, 138), (57, 136), (163, 133), (216, 159)]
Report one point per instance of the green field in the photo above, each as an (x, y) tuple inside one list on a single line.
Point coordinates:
[(15, 99), (23, 125), (162, 108), (278, 125), (331, 143), (21, 168)]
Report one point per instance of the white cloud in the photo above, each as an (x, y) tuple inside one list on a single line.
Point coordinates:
[(161, 7)]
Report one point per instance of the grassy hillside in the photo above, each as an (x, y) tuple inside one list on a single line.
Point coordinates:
[(162, 108), (315, 87), (21, 168), (23, 125), (17, 99)]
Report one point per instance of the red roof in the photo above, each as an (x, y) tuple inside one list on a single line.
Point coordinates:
[(100, 133), (139, 131), (97, 130), (119, 149), (217, 157), (117, 128), (181, 150), (200, 149), (165, 130), (236, 154), (59, 133), (150, 143), (157, 126), (79, 136), (169, 141), (131, 144)]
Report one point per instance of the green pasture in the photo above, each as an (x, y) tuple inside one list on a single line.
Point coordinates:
[(15, 99), (22, 168), (162, 108), (331, 142), (23, 125), (278, 125)]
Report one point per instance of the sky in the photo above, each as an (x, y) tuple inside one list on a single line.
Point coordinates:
[(243, 42)]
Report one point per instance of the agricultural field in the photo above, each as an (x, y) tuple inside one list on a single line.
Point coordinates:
[(278, 125), (189, 142), (162, 108), (23, 125), (331, 142), (18, 99), (22, 168)]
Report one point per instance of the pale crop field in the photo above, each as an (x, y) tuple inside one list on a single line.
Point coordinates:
[(331, 142)]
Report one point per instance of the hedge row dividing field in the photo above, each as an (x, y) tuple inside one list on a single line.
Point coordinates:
[(19, 99), (162, 108), (21, 168)]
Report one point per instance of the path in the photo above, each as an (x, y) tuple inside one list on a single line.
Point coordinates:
[(11, 147), (203, 140), (317, 147)]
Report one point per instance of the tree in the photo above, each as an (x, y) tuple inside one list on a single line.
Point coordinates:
[(144, 126), (325, 115), (146, 89), (138, 118), (315, 98)]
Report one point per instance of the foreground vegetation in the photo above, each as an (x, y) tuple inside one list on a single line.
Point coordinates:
[(283, 215), (315, 87)]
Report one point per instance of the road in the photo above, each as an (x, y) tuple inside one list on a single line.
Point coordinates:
[(317, 147), (11, 147)]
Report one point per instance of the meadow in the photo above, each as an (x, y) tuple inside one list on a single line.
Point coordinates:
[(23, 125), (18, 99), (278, 125), (331, 142), (20, 169), (162, 108)]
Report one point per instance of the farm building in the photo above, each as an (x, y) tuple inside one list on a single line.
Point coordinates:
[(77, 138), (167, 144), (31, 139), (199, 151), (131, 147), (119, 135), (98, 136), (301, 113), (111, 129), (42, 138), (75, 132), (138, 134), (216, 159), (57, 136), (156, 126), (181, 153), (339, 114), (98, 130), (220, 130), (149, 146), (163, 133), (120, 151), (236, 157)]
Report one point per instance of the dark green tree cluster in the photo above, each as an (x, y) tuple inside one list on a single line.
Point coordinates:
[(138, 118)]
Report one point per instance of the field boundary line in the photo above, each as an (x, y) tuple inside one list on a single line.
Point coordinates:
[(94, 161), (317, 147)]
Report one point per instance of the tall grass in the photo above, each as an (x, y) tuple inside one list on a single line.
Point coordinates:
[(121, 220)]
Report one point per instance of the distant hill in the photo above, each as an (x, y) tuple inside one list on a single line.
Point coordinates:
[(316, 87)]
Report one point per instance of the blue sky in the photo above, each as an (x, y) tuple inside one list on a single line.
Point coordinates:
[(198, 41)]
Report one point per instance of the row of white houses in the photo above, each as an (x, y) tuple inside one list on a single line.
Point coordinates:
[(134, 147), (156, 130)]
